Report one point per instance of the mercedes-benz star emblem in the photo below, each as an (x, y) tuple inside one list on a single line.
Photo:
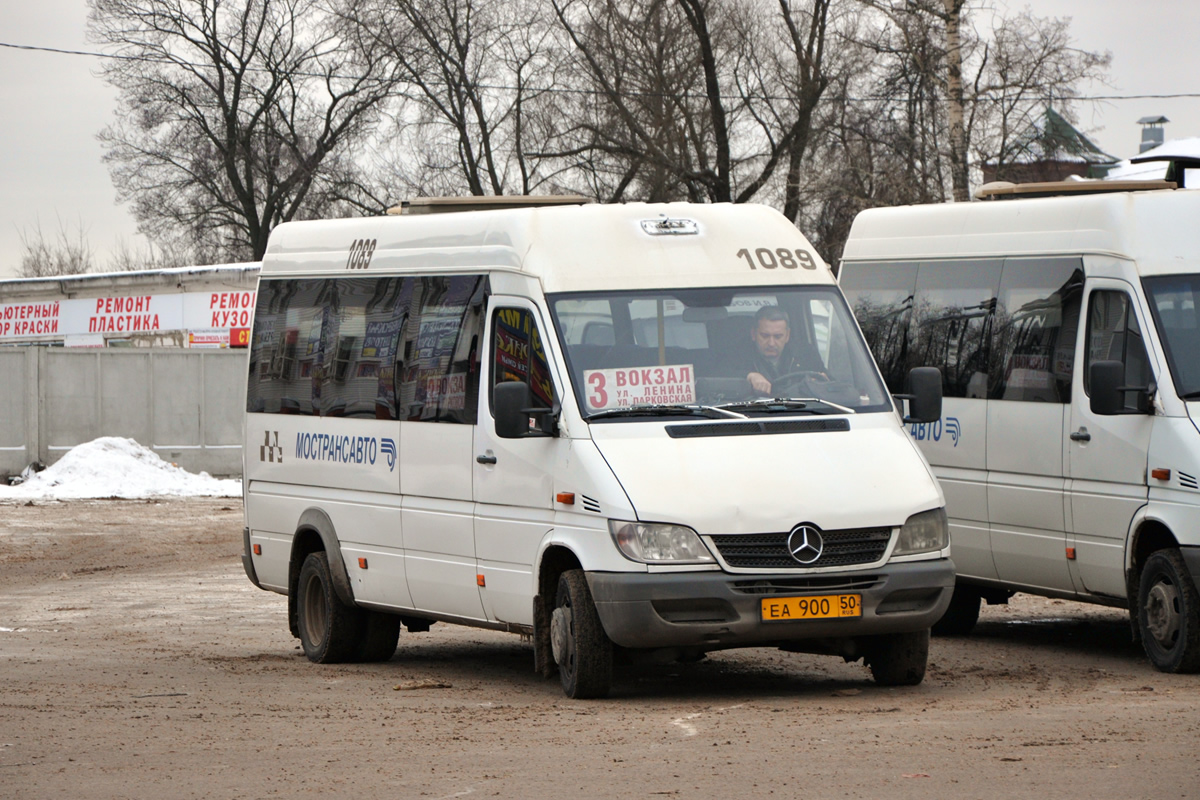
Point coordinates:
[(805, 544)]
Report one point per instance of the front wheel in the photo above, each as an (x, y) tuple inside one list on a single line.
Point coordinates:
[(330, 631), (962, 613), (898, 659), (1169, 613), (580, 647)]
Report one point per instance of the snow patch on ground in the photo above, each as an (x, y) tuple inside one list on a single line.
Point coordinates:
[(112, 466)]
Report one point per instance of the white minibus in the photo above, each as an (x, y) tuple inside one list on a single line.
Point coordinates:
[(635, 431), (1067, 330)]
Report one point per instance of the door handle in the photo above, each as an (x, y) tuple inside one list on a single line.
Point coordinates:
[(487, 458), (1081, 435)]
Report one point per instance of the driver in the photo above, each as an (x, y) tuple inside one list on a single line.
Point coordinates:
[(772, 358)]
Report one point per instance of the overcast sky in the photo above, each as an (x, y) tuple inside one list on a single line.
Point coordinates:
[(51, 172)]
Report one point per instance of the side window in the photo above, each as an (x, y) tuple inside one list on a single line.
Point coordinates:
[(1113, 335), (519, 354), (881, 297), (953, 318), (285, 347), (437, 372), (1037, 319), (361, 323)]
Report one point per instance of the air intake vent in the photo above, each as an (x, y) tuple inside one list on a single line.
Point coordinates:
[(589, 504), (756, 428), (1187, 481)]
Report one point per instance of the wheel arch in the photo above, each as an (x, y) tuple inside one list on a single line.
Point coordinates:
[(315, 532), (1149, 536), (553, 561)]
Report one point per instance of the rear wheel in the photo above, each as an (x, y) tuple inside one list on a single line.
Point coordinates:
[(1169, 613), (898, 659), (330, 631), (580, 647), (961, 615)]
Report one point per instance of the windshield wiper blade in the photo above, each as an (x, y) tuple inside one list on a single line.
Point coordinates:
[(777, 404), (667, 410)]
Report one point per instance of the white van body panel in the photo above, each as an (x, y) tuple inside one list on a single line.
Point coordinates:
[(863, 477), (1060, 515)]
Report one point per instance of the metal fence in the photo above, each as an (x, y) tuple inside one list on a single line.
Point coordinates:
[(186, 405)]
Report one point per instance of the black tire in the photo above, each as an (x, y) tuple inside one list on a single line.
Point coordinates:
[(330, 631), (1168, 609), (580, 647), (381, 633), (962, 614), (898, 659)]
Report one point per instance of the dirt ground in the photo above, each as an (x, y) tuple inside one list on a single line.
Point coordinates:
[(136, 660)]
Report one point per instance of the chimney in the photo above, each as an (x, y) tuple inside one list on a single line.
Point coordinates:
[(1152, 132)]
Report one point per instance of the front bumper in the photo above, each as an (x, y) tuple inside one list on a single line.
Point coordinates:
[(716, 610)]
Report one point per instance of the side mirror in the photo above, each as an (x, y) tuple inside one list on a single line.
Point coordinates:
[(924, 395), (512, 403), (1106, 386)]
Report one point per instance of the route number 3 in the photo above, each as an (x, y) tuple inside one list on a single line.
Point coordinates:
[(770, 259), (599, 396)]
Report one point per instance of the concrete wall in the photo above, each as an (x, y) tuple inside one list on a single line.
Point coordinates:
[(186, 405)]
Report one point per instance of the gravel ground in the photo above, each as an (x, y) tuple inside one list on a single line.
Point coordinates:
[(136, 660)]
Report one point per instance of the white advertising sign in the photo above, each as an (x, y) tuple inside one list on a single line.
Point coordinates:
[(633, 386), (220, 310)]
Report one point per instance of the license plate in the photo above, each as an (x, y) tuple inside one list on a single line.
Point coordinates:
[(827, 606)]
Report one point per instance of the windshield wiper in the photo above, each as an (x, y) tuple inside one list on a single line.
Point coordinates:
[(772, 405), (667, 410)]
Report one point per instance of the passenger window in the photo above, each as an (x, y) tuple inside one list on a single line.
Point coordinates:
[(374, 348), (953, 317), (438, 371), (1113, 334), (881, 297), (1037, 318), (519, 354)]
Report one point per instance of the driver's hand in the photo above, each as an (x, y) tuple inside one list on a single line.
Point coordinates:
[(759, 383)]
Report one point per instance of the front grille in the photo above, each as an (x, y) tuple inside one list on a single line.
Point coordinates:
[(769, 550)]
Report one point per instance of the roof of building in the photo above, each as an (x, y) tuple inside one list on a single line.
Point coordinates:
[(1052, 138)]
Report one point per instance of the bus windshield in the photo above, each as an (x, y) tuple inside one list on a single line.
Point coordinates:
[(730, 351), (1174, 302)]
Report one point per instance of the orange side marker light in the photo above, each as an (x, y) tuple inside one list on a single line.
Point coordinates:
[(362, 563), (1070, 554), (479, 580), (1160, 474), (566, 498), (258, 549)]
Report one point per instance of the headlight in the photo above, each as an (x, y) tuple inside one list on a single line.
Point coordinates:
[(923, 533), (654, 543)]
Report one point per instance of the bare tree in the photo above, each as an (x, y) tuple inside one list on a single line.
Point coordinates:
[(233, 113), (704, 99), (67, 253), (127, 258), (476, 73)]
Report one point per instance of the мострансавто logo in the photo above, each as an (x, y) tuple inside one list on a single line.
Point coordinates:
[(934, 431), (339, 449)]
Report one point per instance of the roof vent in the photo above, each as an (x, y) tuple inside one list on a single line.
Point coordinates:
[(665, 226)]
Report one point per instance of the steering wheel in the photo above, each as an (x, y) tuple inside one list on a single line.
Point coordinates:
[(797, 379)]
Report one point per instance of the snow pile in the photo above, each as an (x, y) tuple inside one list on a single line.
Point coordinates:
[(115, 467)]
